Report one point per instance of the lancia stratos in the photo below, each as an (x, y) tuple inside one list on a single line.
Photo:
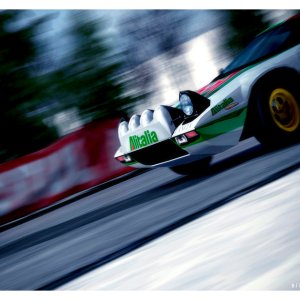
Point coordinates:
[(257, 94)]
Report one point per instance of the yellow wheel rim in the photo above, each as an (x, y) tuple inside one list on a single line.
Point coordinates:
[(284, 110)]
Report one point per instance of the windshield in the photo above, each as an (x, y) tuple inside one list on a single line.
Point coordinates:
[(263, 46)]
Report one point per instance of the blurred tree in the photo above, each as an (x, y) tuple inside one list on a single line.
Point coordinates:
[(20, 89), (89, 78), (243, 26), (152, 33)]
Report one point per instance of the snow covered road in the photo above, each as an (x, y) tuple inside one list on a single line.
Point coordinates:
[(250, 243)]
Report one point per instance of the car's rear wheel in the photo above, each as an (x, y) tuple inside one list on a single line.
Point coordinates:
[(278, 114), (198, 167)]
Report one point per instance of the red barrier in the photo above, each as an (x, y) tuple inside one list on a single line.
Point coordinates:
[(76, 162)]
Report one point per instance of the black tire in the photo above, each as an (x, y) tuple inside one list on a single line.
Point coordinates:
[(195, 168), (277, 113)]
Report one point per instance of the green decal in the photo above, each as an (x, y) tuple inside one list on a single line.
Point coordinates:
[(220, 126), (154, 137), (143, 141), (148, 138), (221, 106)]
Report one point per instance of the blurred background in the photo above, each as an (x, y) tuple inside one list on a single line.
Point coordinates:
[(61, 70), (66, 78)]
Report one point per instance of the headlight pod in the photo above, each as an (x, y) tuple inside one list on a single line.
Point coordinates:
[(186, 104), (192, 103), (123, 127)]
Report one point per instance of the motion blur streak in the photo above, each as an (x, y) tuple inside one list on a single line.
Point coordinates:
[(251, 243), (88, 71), (49, 251), (78, 68), (77, 162)]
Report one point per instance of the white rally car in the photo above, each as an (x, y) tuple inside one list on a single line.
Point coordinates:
[(257, 94)]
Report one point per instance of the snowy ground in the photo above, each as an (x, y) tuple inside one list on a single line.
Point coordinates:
[(250, 243)]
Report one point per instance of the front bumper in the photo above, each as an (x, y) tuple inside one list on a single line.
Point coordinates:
[(168, 154)]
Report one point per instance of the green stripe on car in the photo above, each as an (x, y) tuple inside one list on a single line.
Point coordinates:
[(220, 126)]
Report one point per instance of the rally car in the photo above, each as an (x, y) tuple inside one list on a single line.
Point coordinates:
[(257, 94)]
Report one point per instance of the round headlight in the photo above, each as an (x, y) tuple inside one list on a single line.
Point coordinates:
[(123, 127), (134, 122), (186, 104), (146, 117)]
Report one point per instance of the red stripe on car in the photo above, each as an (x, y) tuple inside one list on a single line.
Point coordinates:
[(211, 87)]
